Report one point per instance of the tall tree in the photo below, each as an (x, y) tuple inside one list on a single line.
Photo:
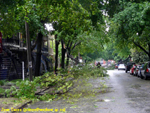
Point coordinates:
[(130, 27), (72, 20)]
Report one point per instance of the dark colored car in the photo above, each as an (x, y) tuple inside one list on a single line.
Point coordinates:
[(128, 66), (145, 71)]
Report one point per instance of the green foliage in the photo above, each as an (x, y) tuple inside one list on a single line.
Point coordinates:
[(92, 56), (26, 89), (129, 27), (2, 91), (75, 26), (47, 97), (82, 87), (117, 58), (94, 7), (2, 82), (110, 52), (74, 22), (112, 67), (88, 71), (17, 15), (112, 4), (139, 57), (57, 84)]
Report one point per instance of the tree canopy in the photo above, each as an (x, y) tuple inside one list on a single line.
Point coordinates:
[(129, 28), (81, 25)]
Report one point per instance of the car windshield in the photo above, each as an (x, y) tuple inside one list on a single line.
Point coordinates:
[(121, 65)]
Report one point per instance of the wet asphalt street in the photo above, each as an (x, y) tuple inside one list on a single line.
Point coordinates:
[(126, 94)]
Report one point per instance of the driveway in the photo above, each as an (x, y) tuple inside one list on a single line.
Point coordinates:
[(125, 94)]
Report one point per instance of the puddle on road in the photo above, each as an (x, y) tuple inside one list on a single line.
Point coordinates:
[(105, 100)]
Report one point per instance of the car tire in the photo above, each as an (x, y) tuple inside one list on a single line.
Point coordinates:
[(133, 73), (141, 76)]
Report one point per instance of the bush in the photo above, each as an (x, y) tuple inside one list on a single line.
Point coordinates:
[(2, 82), (2, 91)]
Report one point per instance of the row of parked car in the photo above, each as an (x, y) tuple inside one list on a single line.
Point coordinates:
[(140, 70)]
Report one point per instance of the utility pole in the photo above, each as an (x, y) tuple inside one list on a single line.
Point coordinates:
[(28, 51)]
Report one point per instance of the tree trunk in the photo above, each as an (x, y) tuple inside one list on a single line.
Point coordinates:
[(63, 51), (143, 49), (56, 54), (38, 54), (28, 42), (67, 62)]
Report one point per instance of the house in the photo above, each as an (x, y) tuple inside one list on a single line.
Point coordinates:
[(13, 54)]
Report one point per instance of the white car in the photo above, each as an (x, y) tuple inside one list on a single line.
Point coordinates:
[(121, 67)]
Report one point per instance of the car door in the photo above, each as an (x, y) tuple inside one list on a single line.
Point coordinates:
[(142, 69), (147, 68), (139, 71)]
